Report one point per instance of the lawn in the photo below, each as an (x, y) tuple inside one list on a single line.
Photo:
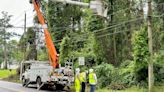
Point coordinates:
[(6, 73), (133, 89)]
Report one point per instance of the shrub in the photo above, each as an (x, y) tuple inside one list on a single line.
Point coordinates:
[(124, 75), (104, 74)]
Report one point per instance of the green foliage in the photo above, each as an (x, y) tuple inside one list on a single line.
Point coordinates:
[(158, 68), (27, 44), (42, 55), (104, 74), (61, 19), (64, 50), (123, 76), (15, 52), (141, 55), (92, 23), (77, 44)]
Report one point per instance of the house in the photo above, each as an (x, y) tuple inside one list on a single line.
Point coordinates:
[(13, 65)]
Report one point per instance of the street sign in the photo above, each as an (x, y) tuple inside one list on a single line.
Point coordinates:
[(81, 61)]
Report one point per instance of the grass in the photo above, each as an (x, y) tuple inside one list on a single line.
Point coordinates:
[(6, 73), (133, 89)]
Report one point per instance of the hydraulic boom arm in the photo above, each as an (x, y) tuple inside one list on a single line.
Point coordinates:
[(49, 43)]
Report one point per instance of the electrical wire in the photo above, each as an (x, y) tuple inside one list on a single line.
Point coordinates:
[(116, 33), (21, 14), (95, 31)]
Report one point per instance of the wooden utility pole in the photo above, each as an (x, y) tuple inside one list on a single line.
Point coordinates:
[(150, 43), (24, 56), (5, 50)]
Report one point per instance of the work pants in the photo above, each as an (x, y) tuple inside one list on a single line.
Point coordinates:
[(92, 88), (83, 87)]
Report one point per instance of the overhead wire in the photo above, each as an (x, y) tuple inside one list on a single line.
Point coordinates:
[(95, 31), (115, 26), (21, 14)]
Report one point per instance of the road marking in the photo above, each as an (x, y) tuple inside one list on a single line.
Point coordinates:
[(13, 89)]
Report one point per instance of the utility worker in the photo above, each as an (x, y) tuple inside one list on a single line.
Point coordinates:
[(77, 80), (92, 80), (83, 80)]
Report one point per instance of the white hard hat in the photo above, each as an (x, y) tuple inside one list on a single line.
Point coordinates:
[(90, 70), (86, 71), (77, 69)]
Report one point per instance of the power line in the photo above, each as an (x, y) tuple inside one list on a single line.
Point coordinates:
[(117, 24), (21, 14), (21, 20), (17, 17), (124, 22), (116, 33)]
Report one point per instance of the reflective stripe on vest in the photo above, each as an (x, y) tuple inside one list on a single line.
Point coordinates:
[(92, 79)]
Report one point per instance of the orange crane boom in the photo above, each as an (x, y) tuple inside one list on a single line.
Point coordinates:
[(49, 43)]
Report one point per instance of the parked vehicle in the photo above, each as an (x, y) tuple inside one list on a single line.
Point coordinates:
[(42, 73)]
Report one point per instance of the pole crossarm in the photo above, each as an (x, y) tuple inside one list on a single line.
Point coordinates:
[(73, 2)]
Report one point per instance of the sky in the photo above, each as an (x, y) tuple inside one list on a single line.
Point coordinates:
[(17, 9)]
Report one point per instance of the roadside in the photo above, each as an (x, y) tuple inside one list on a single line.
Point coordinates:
[(6, 73), (9, 75), (12, 76)]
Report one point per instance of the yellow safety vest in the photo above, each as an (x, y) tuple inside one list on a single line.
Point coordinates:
[(92, 79), (82, 77)]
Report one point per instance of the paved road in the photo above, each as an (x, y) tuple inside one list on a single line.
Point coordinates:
[(15, 87)]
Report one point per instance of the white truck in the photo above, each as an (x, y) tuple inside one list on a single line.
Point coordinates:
[(41, 73)]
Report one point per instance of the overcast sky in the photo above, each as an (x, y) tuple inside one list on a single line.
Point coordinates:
[(17, 8)]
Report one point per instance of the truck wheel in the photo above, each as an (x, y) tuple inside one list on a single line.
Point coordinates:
[(24, 82), (38, 82), (59, 87)]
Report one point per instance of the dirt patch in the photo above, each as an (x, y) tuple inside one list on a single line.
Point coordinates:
[(12, 78)]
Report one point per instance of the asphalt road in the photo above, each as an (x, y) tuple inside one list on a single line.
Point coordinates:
[(16, 87)]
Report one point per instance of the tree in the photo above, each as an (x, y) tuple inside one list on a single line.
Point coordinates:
[(4, 24), (28, 44), (61, 19), (15, 52)]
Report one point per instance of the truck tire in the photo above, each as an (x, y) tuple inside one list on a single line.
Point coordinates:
[(38, 82), (24, 82), (59, 86)]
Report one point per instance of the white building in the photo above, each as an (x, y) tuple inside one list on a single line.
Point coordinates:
[(13, 65)]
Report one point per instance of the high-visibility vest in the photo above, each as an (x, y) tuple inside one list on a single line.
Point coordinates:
[(82, 77), (92, 79)]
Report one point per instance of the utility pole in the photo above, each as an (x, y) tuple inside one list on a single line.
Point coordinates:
[(5, 50), (24, 37), (150, 43)]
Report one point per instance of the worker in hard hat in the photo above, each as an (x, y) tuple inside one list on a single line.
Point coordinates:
[(77, 80), (83, 80), (92, 80)]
